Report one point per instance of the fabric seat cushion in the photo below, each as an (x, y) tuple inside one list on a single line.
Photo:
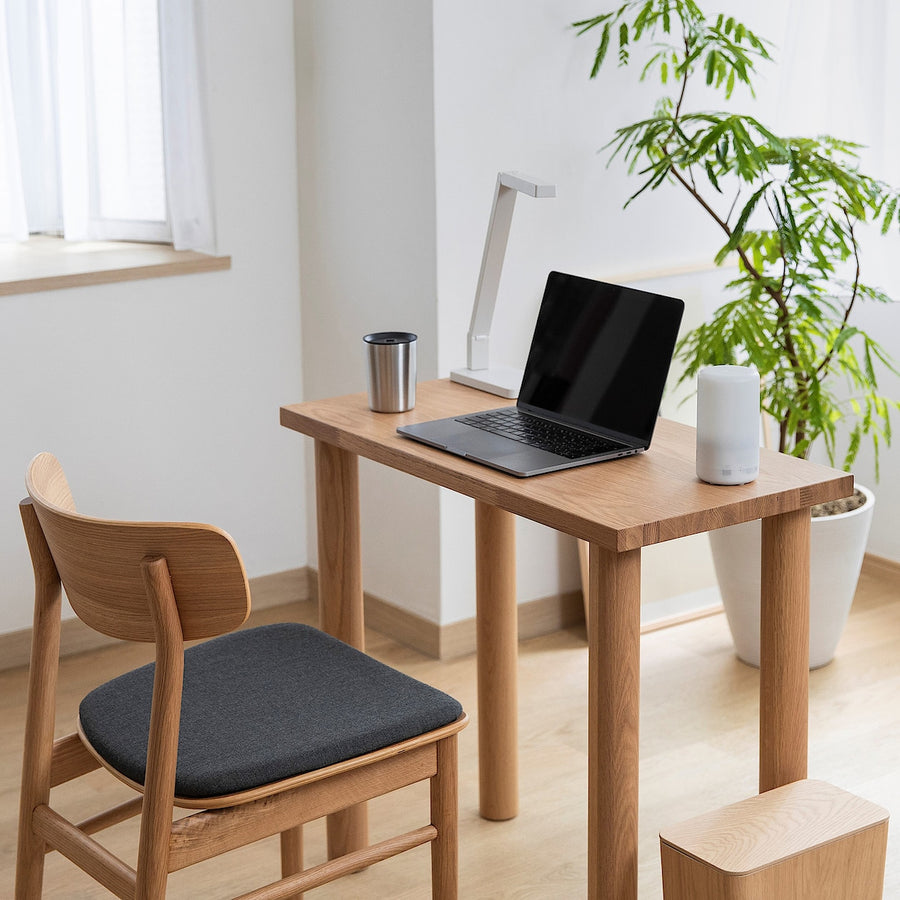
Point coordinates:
[(264, 704)]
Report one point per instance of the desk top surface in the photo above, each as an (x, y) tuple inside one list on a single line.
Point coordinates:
[(622, 504)]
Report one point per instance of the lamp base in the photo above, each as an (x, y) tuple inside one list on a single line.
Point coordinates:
[(504, 381)]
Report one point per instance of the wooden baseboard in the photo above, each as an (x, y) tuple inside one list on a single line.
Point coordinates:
[(76, 637), (536, 617), (881, 565), (691, 615)]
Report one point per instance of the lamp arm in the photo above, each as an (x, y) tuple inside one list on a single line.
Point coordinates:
[(489, 276)]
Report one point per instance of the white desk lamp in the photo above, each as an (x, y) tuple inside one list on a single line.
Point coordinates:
[(501, 380)]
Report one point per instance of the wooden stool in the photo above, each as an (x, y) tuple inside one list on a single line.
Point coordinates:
[(805, 841)]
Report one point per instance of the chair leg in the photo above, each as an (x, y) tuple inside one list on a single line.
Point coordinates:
[(292, 854), (29, 862), (35, 788), (35, 791), (444, 817), (41, 711)]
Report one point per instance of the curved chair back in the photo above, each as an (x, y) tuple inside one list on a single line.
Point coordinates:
[(99, 564)]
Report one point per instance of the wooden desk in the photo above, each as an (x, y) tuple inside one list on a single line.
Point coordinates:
[(618, 507)]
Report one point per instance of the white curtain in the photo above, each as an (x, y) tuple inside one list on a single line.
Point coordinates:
[(111, 130), (13, 223), (184, 84)]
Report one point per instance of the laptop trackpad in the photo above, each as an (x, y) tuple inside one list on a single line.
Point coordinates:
[(448, 434), (479, 444), (524, 461), (482, 446)]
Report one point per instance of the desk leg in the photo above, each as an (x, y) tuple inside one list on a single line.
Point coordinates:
[(497, 643), (340, 594), (614, 670), (784, 650)]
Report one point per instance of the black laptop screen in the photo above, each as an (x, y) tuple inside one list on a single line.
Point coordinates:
[(601, 354)]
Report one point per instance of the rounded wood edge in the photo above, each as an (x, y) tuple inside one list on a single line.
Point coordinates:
[(740, 873), (38, 497), (345, 422), (278, 787), (67, 516), (869, 815)]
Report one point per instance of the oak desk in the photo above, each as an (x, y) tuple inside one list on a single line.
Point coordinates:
[(618, 507)]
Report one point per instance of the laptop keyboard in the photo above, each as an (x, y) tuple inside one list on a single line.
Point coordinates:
[(541, 433)]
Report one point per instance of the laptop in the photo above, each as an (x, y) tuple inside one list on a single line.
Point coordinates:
[(592, 384)]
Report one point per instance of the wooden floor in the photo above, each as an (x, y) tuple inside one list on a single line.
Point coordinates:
[(698, 751)]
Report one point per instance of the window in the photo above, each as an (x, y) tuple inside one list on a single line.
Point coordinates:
[(101, 115)]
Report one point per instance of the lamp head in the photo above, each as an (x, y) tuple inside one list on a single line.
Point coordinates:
[(525, 184)]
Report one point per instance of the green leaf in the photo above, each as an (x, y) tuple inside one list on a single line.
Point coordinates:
[(601, 51), (711, 175), (845, 336), (711, 66), (586, 25), (888, 215)]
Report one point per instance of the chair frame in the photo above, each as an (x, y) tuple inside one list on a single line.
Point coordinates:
[(222, 823)]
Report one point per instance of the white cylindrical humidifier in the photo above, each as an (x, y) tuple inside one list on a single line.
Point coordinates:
[(728, 424)]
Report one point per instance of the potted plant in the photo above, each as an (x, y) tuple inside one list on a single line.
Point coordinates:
[(791, 211)]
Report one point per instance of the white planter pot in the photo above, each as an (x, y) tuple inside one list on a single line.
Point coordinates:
[(837, 547)]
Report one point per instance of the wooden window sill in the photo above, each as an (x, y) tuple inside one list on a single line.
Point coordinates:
[(48, 263)]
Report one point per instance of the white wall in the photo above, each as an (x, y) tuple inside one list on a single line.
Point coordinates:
[(857, 98), (367, 230), (161, 397), (512, 92), (408, 111)]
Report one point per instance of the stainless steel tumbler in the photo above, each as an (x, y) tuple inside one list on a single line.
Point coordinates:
[(391, 358)]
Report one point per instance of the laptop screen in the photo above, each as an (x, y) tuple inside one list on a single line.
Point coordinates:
[(600, 354)]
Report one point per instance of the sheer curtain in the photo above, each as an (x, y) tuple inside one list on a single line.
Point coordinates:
[(103, 120), (188, 176), (13, 224)]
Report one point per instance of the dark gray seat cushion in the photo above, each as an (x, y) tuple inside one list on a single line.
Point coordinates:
[(265, 704)]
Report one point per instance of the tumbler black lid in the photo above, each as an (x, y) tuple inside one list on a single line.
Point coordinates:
[(390, 337)]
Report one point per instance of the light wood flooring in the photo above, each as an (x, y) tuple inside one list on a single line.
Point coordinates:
[(698, 751)]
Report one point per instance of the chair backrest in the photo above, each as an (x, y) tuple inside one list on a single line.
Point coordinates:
[(99, 564)]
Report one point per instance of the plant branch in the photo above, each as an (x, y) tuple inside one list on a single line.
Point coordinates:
[(737, 196), (784, 313), (801, 381), (722, 223), (823, 366), (781, 251), (684, 77)]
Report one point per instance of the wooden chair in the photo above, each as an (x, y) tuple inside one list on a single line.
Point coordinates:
[(260, 730)]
